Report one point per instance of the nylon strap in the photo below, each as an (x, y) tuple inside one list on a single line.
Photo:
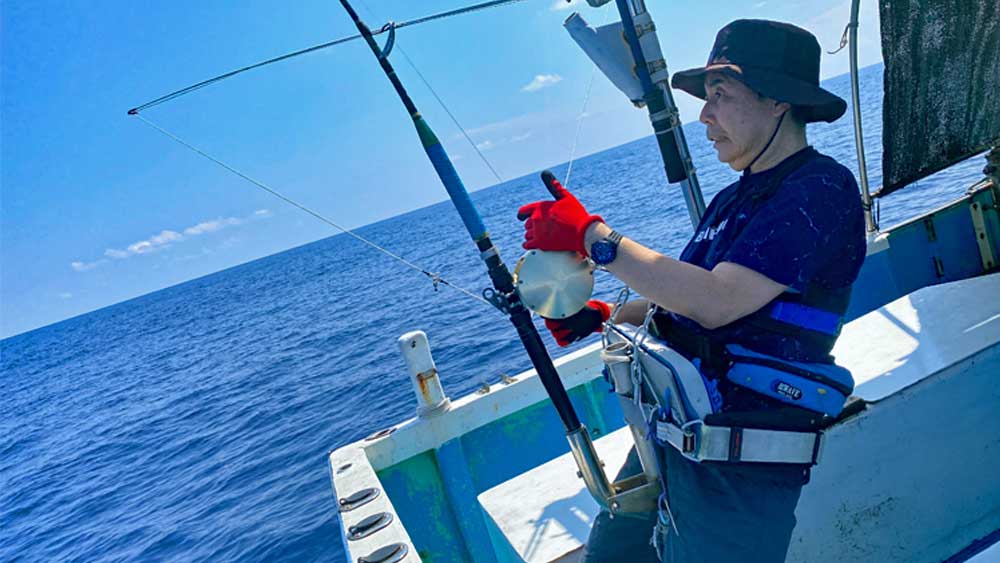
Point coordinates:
[(702, 442)]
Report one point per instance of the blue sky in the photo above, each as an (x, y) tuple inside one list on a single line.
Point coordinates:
[(97, 208)]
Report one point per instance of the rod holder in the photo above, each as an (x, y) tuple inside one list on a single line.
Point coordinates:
[(617, 358), (416, 351), (633, 494)]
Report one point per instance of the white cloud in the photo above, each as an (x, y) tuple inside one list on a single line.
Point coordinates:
[(490, 144), (541, 81), (560, 5), (152, 244), (522, 122), (65, 295), (167, 237), (84, 266), (211, 226)]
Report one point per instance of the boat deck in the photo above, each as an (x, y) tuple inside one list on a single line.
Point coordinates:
[(927, 406), (544, 515)]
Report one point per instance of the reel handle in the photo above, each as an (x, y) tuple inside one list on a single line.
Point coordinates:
[(553, 185)]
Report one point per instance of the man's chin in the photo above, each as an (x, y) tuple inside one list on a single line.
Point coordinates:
[(737, 167), (729, 159)]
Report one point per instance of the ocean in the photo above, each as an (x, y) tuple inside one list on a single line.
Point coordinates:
[(193, 423)]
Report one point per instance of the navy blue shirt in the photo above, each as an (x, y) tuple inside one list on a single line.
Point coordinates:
[(808, 229)]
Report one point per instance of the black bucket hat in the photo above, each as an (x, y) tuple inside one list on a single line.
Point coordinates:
[(775, 59)]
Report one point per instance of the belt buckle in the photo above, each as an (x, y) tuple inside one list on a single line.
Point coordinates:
[(817, 447), (691, 431)]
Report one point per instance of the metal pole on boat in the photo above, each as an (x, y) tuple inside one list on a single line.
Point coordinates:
[(505, 297), (660, 103), (859, 142)]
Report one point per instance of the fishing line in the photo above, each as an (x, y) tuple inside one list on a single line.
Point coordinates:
[(425, 19), (436, 97), (583, 110), (579, 127), (435, 277), (453, 120)]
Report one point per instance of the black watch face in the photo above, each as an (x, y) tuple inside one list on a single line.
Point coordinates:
[(603, 252)]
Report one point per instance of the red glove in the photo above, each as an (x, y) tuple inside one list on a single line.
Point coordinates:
[(556, 225), (575, 327)]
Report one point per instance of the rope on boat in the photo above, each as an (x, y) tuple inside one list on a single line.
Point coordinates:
[(434, 276), (425, 19)]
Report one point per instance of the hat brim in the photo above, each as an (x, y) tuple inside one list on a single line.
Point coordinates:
[(812, 102)]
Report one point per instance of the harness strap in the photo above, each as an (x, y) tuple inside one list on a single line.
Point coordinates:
[(698, 441), (692, 345), (702, 442), (790, 315), (817, 314), (806, 317)]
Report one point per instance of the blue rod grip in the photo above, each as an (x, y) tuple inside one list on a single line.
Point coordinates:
[(456, 190)]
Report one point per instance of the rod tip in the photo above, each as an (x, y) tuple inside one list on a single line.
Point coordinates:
[(133, 111)]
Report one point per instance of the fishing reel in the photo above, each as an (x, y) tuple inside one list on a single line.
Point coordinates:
[(553, 284)]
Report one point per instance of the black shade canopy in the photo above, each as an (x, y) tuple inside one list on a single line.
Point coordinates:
[(942, 85)]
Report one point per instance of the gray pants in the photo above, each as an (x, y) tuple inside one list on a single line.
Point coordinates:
[(722, 512)]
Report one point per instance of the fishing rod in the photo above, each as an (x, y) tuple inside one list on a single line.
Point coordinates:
[(626, 496), (505, 296)]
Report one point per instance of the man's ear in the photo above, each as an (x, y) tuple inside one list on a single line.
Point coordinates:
[(781, 108)]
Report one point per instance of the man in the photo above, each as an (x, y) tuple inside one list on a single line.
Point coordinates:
[(788, 236)]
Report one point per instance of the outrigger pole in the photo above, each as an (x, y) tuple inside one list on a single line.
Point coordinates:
[(660, 102), (505, 297), (871, 228)]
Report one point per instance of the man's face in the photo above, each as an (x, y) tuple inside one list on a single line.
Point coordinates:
[(738, 121)]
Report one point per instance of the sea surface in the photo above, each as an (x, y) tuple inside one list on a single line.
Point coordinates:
[(192, 424)]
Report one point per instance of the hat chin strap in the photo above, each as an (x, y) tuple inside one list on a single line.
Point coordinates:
[(747, 171)]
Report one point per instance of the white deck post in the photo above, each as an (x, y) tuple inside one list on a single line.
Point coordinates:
[(423, 374)]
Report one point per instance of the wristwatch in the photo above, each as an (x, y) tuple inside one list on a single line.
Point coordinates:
[(604, 251)]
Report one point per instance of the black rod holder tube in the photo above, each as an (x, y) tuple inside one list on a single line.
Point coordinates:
[(657, 106)]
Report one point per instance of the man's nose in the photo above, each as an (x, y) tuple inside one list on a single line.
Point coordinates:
[(707, 116)]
